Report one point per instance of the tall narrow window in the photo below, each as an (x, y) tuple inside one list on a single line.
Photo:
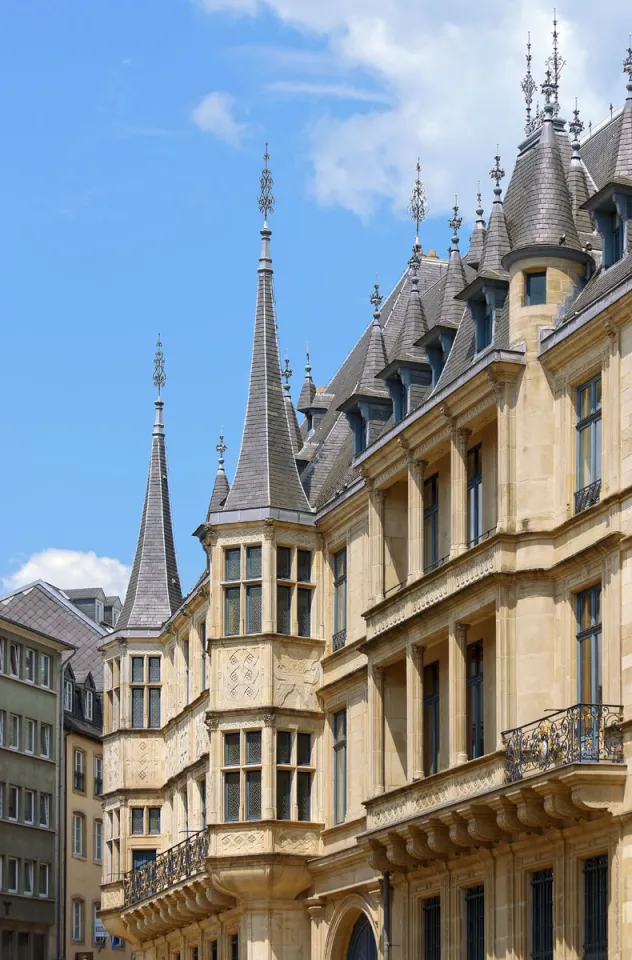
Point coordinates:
[(284, 563), (596, 908), (187, 679), (475, 701), (44, 809), (42, 887), (431, 719), (284, 607), (431, 523), (89, 704), (232, 758), (535, 288), (29, 806), (233, 564), (232, 612), (589, 657), (304, 566), (45, 670), (98, 776), (138, 820), (432, 928), (340, 599), (304, 776), (78, 835), (542, 915), (253, 563), (68, 695), (253, 777), (98, 841), (14, 731), (77, 921), (304, 611), (202, 635), (474, 495), (588, 410), (340, 766), (14, 660), (12, 875), (45, 740), (29, 665), (13, 804), (153, 816), (475, 923), (79, 777), (29, 746), (184, 806), (202, 798), (253, 608)]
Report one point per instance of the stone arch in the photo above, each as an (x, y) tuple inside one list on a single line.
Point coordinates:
[(343, 922)]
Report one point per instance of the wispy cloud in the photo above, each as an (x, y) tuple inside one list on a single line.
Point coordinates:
[(215, 114), (71, 569), (330, 91)]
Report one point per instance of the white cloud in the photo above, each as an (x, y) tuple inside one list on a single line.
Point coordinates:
[(214, 114), (71, 569), (337, 91), (451, 78)]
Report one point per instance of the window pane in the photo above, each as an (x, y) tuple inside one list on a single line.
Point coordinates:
[(154, 669), (284, 563), (138, 669), (253, 563), (233, 559), (304, 566), (231, 797), (340, 726), (231, 749), (303, 794), (232, 611), (154, 707), (284, 746), (475, 924), (304, 749), (253, 795), (542, 915), (340, 785), (432, 928), (283, 609), (154, 819), (138, 706), (253, 747), (284, 788), (253, 609), (536, 289), (304, 611), (138, 815), (596, 908), (340, 564)]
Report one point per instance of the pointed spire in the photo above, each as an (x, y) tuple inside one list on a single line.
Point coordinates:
[(418, 205), (154, 591), (623, 166), (290, 412), (266, 474), (497, 237), (455, 222), (308, 390), (477, 237), (548, 90), (555, 64), (579, 184), (221, 487), (415, 324), (451, 310), (375, 356)]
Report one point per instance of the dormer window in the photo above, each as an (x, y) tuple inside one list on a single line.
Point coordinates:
[(68, 695), (89, 704), (617, 237), (484, 327), (535, 288), (611, 208)]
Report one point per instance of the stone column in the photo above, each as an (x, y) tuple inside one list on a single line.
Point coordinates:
[(268, 767), (316, 911), (213, 795), (125, 706), (268, 579), (506, 455), (376, 729), (376, 545), (505, 662), (457, 642), (611, 424), (414, 712), (415, 518), (458, 490)]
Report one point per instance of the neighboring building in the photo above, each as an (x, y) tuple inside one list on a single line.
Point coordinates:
[(30, 663), (393, 717), (94, 603), (78, 796)]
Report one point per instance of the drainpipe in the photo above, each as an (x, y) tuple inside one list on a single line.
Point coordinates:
[(386, 940), (61, 832)]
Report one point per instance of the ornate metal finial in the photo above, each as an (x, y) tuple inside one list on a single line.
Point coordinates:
[(611, 110), (308, 367), (576, 126), (286, 373), (418, 205), (160, 377), (590, 128), (548, 89), (376, 298), (266, 199), (528, 86), (555, 64), (221, 448), (455, 222), (627, 63), (497, 173)]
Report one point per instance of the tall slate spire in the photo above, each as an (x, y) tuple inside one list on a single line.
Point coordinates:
[(266, 474), (477, 238), (154, 591), (292, 420), (623, 165), (497, 237)]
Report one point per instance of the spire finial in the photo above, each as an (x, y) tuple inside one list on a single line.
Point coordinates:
[(266, 199), (376, 298), (528, 86), (286, 373), (418, 206), (627, 63), (555, 64), (497, 173), (548, 89), (160, 377), (308, 366), (479, 202), (455, 222), (221, 449), (576, 126)]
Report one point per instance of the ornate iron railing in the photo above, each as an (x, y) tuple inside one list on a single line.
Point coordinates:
[(587, 496), (339, 639), (177, 863), (481, 536), (585, 733), (395, 588), (429, 567)]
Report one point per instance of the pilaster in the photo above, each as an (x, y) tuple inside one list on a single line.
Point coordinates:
[(414, 712), (458, 490), (376, 544), (415, 518), (457, 641), (269, 767), (376, 729), (268, 578), (506, 457)]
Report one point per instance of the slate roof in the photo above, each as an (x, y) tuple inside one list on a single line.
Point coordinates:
[(266, 474), (623, 163), (308, 390), (221, 488), (45, 608), (474, 254), (292, 422), (600, 284), (154, 589), (497, 242)]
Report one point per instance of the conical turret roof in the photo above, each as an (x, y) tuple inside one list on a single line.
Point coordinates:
[(414, 324), (374, 361), (497, 243), (623, 165), (477, 239), (308, 390), (221, 487)]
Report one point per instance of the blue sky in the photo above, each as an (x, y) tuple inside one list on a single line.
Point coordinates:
[(132, 143)]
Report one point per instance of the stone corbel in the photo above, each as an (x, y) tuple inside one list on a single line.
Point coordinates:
[(211, 720), (482, 827), (610, 328), (439, 840), (315, 908), (507, 816), (557, 801), (498, 386), (378, 859), (530, 810), (397, 853), (459, 835), (417, 845)]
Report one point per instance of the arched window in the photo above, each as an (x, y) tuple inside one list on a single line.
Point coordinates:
[(362, 943)]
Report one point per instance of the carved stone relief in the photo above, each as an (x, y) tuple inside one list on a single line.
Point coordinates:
[(295, 679), (241, 675)]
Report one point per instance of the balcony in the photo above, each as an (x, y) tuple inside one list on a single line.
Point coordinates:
[(587, 496), (178, 863), (585, 733), (338, 640)]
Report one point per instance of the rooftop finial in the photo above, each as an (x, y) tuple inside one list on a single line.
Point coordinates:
[(160, 377), (479, 202), (548, 89), (528, 86), (308, 367), (576, 126), (455, 222), (497, 173), (417, 206), (555, 64), (376, 298), (266, 199), (627, 63), (221, 449), (286, 373)]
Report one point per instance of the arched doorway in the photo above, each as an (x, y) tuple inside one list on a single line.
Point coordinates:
[(362, 942)]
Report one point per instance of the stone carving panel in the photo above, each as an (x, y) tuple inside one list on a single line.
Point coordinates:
[(295, 678), (201, 736), (241, 842), (111, 765), (241, 675)]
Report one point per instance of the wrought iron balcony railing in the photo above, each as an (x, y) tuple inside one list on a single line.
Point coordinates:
[(585, 733), (339, 639), (587, 496), (178, 863)]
